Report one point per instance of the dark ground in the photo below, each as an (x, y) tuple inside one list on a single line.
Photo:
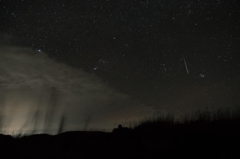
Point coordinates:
[(200, 139)]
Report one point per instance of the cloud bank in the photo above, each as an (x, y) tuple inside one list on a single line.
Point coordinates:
[(39, 94)]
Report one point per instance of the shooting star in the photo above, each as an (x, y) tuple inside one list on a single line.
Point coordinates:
[(185, 65)]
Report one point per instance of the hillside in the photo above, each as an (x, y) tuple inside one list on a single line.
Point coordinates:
[(151, 139)]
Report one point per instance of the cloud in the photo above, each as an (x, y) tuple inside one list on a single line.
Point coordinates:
[(37, 92)]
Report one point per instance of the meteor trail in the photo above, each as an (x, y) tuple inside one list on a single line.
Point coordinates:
[(185, 65)]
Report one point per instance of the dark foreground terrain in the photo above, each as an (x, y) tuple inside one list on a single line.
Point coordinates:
[(192, 140)]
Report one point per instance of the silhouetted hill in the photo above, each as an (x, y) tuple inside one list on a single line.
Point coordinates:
[(151, 139)]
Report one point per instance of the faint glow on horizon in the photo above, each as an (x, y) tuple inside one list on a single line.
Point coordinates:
[(37, 91)]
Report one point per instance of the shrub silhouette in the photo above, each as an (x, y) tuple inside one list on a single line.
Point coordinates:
[(121, 129)]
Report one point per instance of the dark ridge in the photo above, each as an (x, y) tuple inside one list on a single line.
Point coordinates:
[(204, 137)]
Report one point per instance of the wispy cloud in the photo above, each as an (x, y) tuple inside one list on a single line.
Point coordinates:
[(34, 89)]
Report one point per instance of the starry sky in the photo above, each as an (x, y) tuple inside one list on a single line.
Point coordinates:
[(164, 55)]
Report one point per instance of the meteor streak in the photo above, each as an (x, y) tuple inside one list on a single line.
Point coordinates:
[(185, 65)]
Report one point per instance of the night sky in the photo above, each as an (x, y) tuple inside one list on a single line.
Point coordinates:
[(140, 57)]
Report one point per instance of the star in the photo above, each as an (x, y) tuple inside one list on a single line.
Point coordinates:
[(95, 68)]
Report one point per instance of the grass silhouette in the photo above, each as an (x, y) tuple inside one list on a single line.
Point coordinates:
[(202, 134)]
